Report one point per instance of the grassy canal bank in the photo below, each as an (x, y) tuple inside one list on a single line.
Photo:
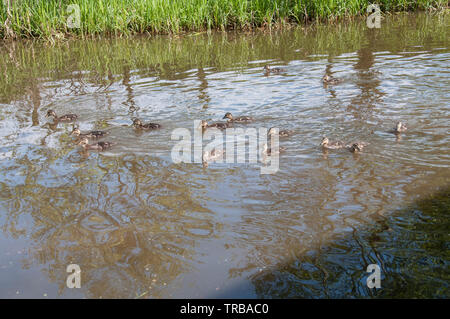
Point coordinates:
[(61, 18)]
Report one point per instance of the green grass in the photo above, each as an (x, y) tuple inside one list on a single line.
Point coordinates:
[(47, 18)]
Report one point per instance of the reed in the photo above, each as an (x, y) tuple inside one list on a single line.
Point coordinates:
[(48, 18)]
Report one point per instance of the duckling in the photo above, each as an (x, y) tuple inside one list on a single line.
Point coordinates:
[(239, 119), (100, 146), (268, 70), (204, 125), (92, 134), (268, 151), (327, 79), (148, 126), (356, 147), (211, 156), (399, 128), (63, 118), (331, 145), (281, 133)]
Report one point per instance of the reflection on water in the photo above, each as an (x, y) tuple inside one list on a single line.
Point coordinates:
[(141, 226), (420, 236)]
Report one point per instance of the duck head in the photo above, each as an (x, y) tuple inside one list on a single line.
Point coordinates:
[(400, 127), (83, 142), (356, 148), (137, 122), (203, 124), (228, 116), (51, 113), (266, 68), (76, 131), (271, 131), (324, 142)]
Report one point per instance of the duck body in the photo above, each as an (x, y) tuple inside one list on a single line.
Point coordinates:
[(67, 118), (399, 128), (219, 125), (92, 134), (327, 79), (284, 133), (281, 133), (268, 70), (332, 145), (63, 118), (239, 119), (148, 126), (96, 134), (356, 147), (99, 146), (269, 151)]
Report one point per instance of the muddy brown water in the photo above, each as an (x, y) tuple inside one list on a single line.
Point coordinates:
[(140, 225)]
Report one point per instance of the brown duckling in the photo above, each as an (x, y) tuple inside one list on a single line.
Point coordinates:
[(327, 79), (63, 118), (239, 119), (100, 146), (211, 156), (281, 133), (204, 125), (269, 151), (268, 70), (399, 128), (148, 126), (332, 145), (92, 134), (356, 147)]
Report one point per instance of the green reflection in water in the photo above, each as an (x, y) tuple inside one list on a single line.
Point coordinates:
[(106, 61)]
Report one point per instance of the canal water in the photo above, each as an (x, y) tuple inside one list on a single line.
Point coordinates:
[(140, 225)]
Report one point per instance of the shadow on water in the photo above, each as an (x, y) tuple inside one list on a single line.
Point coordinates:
[(411, 246)]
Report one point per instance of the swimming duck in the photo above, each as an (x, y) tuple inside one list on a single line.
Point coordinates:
[(211, 156), (100, 146), (148, 126), (332, 145), (268, 70), (268, 151), (63, 118), (92, 134), (400, 127), (239, 119), (204, 125), (356, 147), (327, 79), (282, 133)]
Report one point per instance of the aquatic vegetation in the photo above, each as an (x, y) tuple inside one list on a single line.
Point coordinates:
[(48, 18)]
